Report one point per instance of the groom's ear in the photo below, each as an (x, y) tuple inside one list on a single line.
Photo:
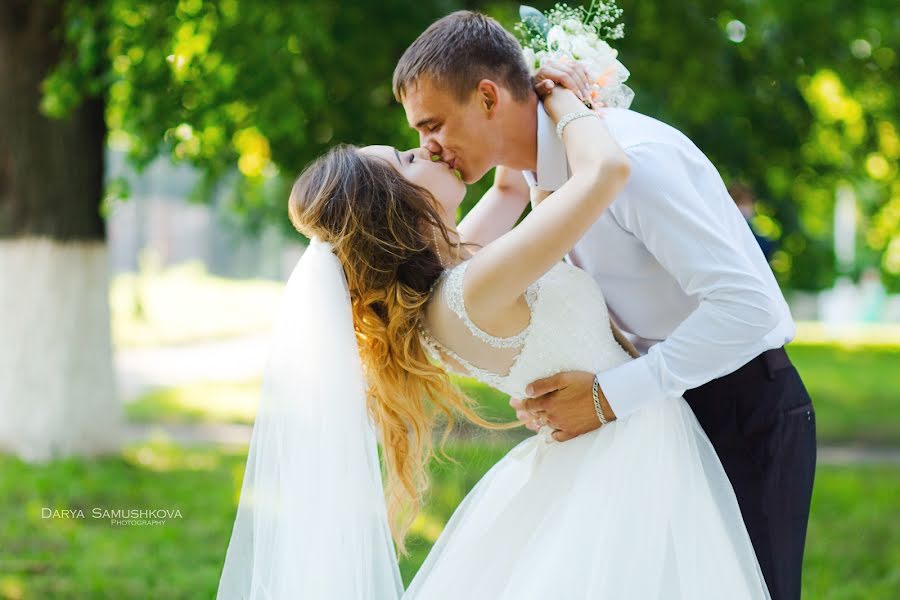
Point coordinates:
[(488, 96)]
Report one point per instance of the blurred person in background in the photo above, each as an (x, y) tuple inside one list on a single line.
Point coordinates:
[(746, 202)]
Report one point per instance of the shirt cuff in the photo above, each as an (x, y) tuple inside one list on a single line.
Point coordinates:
[(630, 387)]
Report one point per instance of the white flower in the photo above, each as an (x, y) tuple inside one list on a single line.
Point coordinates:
[(571, 39), (558, 39), (602, 47), (573, 26), (530, 59), (582, 49)]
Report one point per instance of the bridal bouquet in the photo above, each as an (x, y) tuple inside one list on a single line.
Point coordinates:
[(567, 33)]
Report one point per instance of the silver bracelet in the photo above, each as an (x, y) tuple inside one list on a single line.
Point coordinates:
[(569, 117), (594, 389)]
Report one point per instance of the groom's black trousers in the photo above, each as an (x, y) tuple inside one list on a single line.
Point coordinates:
[(762, 424)]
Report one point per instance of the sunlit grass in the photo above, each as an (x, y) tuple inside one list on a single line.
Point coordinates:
[(204, 402), (853, 544), (852, 335), (853, 550), (850, 371), (184, 303), (856, 392), (90, 557)]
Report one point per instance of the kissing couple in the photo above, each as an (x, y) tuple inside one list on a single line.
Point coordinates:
[(630, 316)]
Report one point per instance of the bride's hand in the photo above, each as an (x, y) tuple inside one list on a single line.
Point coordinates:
[(562, 87), (572, 75)]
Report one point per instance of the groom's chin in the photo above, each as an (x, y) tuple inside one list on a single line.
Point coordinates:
[(468, 178)]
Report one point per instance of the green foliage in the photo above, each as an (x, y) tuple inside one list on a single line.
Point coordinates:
[(263, 86), (83, 70), (795, 98), (791, 97)]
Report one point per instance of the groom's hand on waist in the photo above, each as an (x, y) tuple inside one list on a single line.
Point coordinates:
[(565, 403)]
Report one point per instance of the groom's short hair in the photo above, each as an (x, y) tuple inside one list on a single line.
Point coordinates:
[(460, 50)]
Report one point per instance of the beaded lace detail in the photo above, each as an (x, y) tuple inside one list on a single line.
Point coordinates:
[(454, 296), (568, 331), (435, 348)]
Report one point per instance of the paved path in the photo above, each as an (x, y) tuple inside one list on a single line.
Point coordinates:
[(239, 435), (234, 359), (857, 455), (228, 434)]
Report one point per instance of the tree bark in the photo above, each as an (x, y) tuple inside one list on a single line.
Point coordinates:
[(57, 386)]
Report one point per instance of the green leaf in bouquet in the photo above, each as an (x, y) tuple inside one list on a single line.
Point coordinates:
[(534, 20)]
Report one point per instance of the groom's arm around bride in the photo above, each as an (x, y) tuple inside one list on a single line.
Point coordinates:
[(683, 275), (678, 266)]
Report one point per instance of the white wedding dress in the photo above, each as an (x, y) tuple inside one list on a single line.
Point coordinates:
[(639, 509)]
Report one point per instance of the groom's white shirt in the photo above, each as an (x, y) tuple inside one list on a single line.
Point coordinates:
[(681, 272)]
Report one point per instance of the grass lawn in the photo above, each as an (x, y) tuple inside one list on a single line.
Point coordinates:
[(206, 402), (852, 372), (183, 304), (856, 391), (853, 549), (91, 558)]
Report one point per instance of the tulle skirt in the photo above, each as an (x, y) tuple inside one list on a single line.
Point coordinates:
[(639, 509)]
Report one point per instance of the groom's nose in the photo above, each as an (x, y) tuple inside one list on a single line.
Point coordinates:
[(432, 146)]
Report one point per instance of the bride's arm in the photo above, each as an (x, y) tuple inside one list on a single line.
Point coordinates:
[(502, 270), (498, 210)]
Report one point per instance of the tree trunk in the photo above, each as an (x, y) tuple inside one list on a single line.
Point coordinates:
[(57, 385)]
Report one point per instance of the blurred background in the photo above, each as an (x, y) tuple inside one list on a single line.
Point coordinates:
[(146, 153)]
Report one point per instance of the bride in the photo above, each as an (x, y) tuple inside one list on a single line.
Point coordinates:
[(383, 304)]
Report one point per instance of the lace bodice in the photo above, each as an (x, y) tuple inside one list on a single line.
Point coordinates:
[(454, 300), (568, 331)]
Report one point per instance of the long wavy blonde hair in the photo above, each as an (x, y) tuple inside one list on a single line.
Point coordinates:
[(381, 225)]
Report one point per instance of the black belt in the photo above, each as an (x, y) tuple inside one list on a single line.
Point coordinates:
[(774, 360)]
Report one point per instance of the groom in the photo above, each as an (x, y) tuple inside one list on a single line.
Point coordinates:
[(682, 274)]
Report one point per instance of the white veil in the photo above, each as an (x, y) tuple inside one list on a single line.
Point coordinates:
[(311, 521)]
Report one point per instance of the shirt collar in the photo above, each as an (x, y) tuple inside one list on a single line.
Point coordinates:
[(552, 166)]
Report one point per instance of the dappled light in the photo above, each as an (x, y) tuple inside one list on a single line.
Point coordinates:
[(149, 148)]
